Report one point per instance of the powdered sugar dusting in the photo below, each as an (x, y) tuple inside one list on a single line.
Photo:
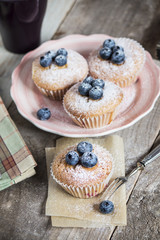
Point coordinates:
[(60, 77), (80, 176), (134, 61), (73, 101)]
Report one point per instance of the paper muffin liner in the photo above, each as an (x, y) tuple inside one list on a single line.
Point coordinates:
[(95, 121), (126, 82), (122, 83), (53, 94), (84, 192)]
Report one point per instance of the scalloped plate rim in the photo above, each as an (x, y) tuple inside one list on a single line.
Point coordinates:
[(106, 132)]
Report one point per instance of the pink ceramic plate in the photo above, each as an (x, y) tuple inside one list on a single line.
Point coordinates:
[(138, 101)]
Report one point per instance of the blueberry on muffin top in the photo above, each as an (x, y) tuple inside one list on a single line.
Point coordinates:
[(92, 88), (59, 58), (111, 51), (83, 155)]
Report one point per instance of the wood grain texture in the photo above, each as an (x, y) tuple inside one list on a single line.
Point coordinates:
[(22, 205), (55, 13), (119, 18)]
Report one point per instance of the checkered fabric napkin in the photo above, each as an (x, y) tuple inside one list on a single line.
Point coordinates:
[(16, 161)]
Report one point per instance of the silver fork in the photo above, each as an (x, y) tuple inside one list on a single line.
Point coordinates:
[(119, 181)]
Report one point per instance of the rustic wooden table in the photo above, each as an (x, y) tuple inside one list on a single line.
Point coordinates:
[(22, 206)]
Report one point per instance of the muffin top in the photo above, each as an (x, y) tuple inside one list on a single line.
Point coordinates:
[(107, 70), (80, 176), (56, 77), (83, 106)]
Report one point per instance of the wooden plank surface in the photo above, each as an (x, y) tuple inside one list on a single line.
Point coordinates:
[(138, 19), (22, 205), (55, 13)]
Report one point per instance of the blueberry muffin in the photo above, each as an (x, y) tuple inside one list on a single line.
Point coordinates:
[(83, 170), (92, 103), (56, 71), (118, 60)]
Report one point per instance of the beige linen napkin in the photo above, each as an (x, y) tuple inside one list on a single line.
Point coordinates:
[(68, 211)]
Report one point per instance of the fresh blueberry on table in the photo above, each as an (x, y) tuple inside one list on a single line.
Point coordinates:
[(96, 93), (98, 82), (88, 79), (118, 57), (61, 60), (45, 61), (72, 158), (51, 54), (62, 51), (105, 53), (84, 146), (84, 89), (118, 48), (106, 207), (43, 114), (110, 43), (88, 159)]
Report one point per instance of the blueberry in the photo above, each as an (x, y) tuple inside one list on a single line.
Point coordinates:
[(62, 51), (45, 61), (96, 93), (72, 158), (110, 43), (105, 53), (60, 60), (43, 114), (118, 57), (88, 159), (51, 54), (83, 147), (118, 48), (98, 82), (106, 207), (84, 89), (88, 79)]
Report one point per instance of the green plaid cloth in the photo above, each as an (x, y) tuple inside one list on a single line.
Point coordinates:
[(16, 161)]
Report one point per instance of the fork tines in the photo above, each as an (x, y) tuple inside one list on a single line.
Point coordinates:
[(113, 187)]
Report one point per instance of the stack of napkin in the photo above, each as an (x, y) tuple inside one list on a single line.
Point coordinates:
[(68, 211), (16, 161)]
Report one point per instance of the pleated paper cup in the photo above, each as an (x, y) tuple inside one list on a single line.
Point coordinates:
[(94, 121), (126, 82), (53, 94), (83, 192)]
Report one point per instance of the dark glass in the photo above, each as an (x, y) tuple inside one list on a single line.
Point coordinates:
[(20, 24)]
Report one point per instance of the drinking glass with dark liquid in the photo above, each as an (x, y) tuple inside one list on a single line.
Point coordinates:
[(20, 24)]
